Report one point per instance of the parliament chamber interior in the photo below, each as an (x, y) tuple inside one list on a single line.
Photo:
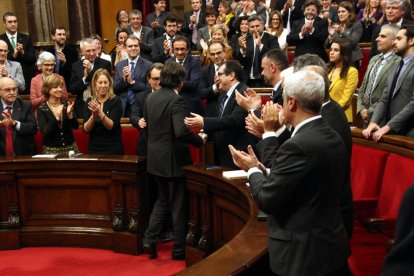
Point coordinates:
[(103, 201)]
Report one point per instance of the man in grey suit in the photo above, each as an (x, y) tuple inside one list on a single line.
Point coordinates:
[(144, 33), (131, 75), (375, 80), (300, 193), (168, 152), (394, 112), (11, 69)]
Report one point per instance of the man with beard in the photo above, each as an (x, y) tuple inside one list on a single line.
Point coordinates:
[(251, 49), (394, 112), (65, 55), (162, 46), (309, 34)]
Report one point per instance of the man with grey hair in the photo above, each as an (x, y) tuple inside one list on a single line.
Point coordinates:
[(82, 73), (145, 34), (11, 69), (375, 79), (394, 14), (300, 193)]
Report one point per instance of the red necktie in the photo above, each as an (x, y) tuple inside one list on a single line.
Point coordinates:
[(9, 136)]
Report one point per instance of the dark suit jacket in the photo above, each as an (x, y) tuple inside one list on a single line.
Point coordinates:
[(269, 42), (186, 22), (206, 91), (334, 116), (146, 41), (397, 111), (151, 17), (27, 60), (76, 84), (137, 113), (310, 44), (72, 56), (300, 196), (141, 84), (23, 140), (189, 91), (157, 53), (229, 129), (168, 136), (295, 14)]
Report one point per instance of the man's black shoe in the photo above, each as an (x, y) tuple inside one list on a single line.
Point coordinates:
[(150, 249)]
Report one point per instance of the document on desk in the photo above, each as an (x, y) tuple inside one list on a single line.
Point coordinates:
[(236, 174), (44, 156)]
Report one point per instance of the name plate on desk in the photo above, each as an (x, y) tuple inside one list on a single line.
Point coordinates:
[(236, 174)]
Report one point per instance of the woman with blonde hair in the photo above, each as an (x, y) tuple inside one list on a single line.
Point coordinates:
[(369, 18), (218, 34), (275, 27), (226, 16), (56, 118), (102, 116)]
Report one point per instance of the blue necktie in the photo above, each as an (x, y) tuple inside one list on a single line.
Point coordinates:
[(223, 101), (131, 94)]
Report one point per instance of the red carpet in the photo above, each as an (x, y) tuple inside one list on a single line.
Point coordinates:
[(84, 261)]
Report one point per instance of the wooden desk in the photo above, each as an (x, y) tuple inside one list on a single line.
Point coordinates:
[(87, 201), (224, 237)]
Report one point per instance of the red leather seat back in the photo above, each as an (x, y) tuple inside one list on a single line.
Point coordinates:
[(367, 169), (398, 176)]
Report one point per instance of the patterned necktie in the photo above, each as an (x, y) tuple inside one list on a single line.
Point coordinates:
[(13, 43), (9, 136), (131, 94), (222, 104), (371, 81)]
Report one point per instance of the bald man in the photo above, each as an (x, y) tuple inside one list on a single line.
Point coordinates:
[(17, 124)]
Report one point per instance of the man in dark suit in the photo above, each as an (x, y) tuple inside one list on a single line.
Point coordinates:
[(20, 48), (227, 126), (131, 75), (250, 51), (144, 33), (162, 46), (309, 34), (192, 68), (273, 63), (300, 193), (65, 55), (168, 152), (193, 21), (137, 114), (394, 14), (291, 11), (82, 73), (18, 124), (394, 112), (156, 19), (208, 86)]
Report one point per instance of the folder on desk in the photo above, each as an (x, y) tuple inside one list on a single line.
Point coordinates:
[(236, 174)]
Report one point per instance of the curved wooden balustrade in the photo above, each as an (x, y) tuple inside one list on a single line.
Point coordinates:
[(88, 201), (223, 226)]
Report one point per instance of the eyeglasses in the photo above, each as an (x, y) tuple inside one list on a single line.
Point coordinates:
[(221, 73), (48, 64), (155, 79)]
